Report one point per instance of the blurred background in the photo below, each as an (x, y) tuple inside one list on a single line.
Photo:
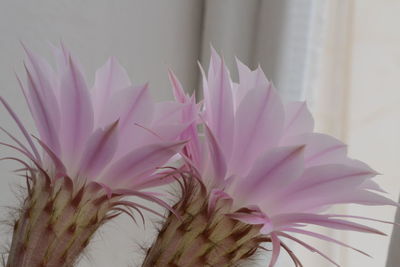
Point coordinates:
[(343, 57)]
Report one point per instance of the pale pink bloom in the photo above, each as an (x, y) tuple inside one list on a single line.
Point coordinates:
[(263, 155), (113, 135)]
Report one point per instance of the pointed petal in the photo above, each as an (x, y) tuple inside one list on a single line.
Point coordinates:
[(276, 248), (251, 79), (320, 148), (364, 197), (109, 78), (371, 185), (258, 127), (271, 172), (129, 105), (22, 129), (169, 112), (285, 220), (325, 238), (298, 119), (140, 161), (22, 146), (42, 100), (219, 103), (77, 112), (217, 159), (316, 187), (99, 151), (312, 249), (361, 218), (59, 166), (178, 91)]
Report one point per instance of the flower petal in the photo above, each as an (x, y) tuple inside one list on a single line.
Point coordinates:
[(298, 119), (42, 100), (217, 158), (99, 151), (316, 187), (312, 249), (76, 107), (276, 248), (285, 220), (271, 172), (140, 161), (109, 78), (258, 127), (219, 103), (319, 148)]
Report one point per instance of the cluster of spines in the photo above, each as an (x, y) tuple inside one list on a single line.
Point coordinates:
[(199, 237), (57, 222)]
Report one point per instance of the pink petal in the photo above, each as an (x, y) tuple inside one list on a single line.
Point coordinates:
[(217, 158), (285, 220), (42, 100), (258, 127), (371, 185), (21, 145), (298, 119), (312, 249), (320, 185), (364, 197), (219, 103), (99, 151), (251, 79), (276, 248), (159, 133), (319, 148), (361, 218), (325, 238), (178, 91), (109, 78), (129, 105), (189, 115), (170, 112), (59, 166), (271, 172), (140, 161), (77, 112), (134, 108), (22, 129)]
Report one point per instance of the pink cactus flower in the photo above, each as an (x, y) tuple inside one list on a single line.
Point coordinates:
[(262, 164), (94, 147)]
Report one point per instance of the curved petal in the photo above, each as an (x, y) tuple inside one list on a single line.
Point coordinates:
[(318, 186), (109, 78), (319, 148), (99, 151), (76, 107), (276, 248), (217, 158), (325, 238), (312, 249), (271, 172), (298, 119), (42, 100), (140, 161), (219, 112), (258, 127), (285, 220)]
